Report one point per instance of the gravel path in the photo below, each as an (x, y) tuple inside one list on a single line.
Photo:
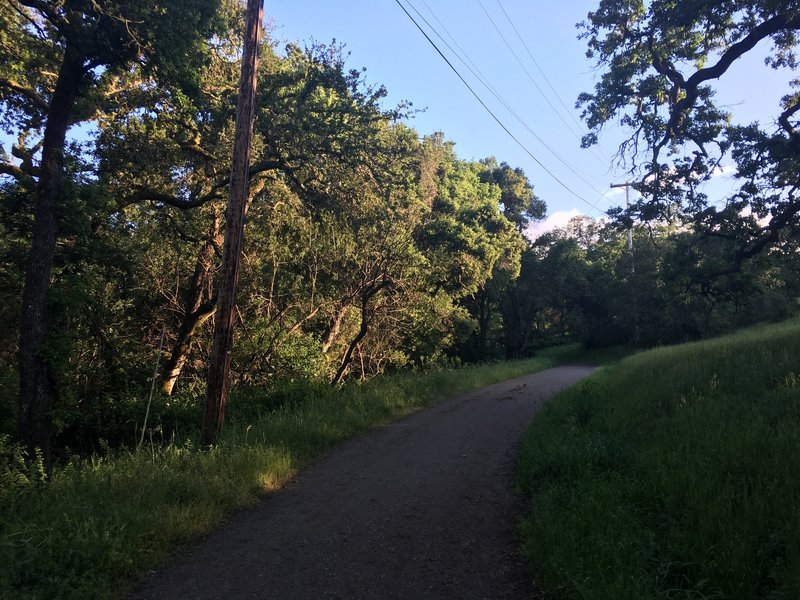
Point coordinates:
[(421, 509)]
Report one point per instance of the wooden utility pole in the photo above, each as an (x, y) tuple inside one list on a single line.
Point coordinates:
[(217, 391)]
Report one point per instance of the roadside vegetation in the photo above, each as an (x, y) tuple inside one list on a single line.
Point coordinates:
[(106, 519), (672, 474)]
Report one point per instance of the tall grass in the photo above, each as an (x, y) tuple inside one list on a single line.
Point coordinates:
[(674, 474), (101, 522)]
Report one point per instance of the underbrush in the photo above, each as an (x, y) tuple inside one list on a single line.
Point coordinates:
[(673, 475), (103, 521)]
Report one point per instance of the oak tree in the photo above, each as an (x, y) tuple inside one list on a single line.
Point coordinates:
[(659, 62)]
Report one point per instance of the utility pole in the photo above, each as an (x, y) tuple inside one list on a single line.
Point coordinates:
[(217, 387), (635, 305), (627, 185)]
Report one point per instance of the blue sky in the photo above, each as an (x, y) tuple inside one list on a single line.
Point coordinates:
[(381, 38)]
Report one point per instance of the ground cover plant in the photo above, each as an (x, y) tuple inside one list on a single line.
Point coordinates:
[(672, 474), (103, 520)]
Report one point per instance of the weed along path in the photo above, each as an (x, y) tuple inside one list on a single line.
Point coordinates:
[(423, 508)]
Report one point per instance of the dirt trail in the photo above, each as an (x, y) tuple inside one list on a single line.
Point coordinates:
[(421, 509)]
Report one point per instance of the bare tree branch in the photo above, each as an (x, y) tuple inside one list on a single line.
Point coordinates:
[(787, 114), (691, 87)]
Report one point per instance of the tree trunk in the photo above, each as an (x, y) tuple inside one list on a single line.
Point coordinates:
[(198, 307), (183, 345), (366, 295), (362, 331), (483, 322), (515, 329), (37, 377)]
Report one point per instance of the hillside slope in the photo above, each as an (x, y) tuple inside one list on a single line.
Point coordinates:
[(674, 474)]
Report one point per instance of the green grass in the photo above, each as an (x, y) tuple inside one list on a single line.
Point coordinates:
[(673, 474), (98, 524)]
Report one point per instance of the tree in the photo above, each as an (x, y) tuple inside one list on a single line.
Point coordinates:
[(520, 204), (91, 45), (659, 60), (467, 237), (466, 233)]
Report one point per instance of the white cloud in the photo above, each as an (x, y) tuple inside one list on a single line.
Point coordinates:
[(554, 221)]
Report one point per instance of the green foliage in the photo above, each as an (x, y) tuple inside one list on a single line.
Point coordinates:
[(17, 472), (520, 204), (466, 234), (672, 474)]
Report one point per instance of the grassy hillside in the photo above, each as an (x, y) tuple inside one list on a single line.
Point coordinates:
[(101, 521), (673, 474)]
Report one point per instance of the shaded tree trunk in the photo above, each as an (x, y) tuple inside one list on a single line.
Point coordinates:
[(198, 307), (37, 376), (362, 331), (516, 331), (366, 296), (483, 322)]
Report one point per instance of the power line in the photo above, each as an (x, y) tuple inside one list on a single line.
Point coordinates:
[(603, 197), (476, 72), (536, 64), (494, 116), (544, 76), (524, 68), (444, 28)]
